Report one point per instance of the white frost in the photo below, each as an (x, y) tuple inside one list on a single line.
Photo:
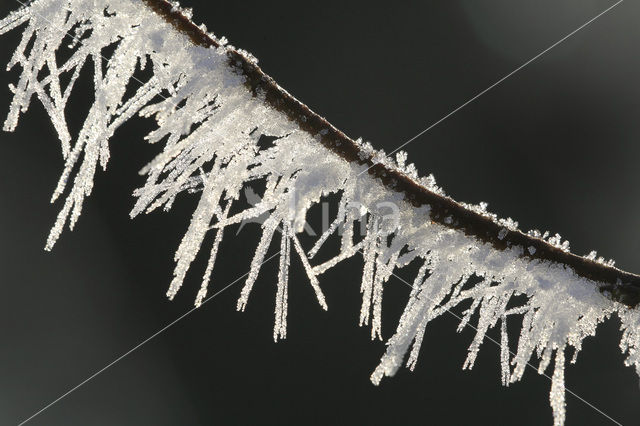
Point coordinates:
[(208, 127)]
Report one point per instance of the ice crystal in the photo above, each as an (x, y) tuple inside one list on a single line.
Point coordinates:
[(208, 128)]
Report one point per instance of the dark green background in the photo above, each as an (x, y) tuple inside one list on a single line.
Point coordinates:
[(555, 147)]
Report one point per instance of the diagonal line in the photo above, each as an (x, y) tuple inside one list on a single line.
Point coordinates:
[(563, 39), (491, 339), (138, 346)]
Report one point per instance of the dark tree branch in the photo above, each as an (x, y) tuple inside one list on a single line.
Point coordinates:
[(618, 285)]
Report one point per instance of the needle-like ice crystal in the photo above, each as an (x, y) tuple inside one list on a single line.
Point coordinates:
[(208, 130)]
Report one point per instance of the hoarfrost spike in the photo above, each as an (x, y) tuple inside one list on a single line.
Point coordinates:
[(212, 104)]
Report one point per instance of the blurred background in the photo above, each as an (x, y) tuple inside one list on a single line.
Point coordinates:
[(554, 146)]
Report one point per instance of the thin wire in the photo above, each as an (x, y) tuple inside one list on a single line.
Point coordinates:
[(136, 347), (572, 33)]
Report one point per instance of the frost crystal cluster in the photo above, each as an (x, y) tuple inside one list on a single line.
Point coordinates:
[(208, 127)]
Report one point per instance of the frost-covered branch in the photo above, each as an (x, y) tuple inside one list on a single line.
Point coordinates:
[(620, 286), (213, 105)]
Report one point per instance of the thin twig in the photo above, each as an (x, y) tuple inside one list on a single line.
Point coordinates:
[(618, 285)]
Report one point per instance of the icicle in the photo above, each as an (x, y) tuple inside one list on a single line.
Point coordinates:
[(556, 396), (269, 228), (347, 253), (202, 293), (504, 351), (335, 225), (280, 326), (370, 253), (310, 274), (15, 19)]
